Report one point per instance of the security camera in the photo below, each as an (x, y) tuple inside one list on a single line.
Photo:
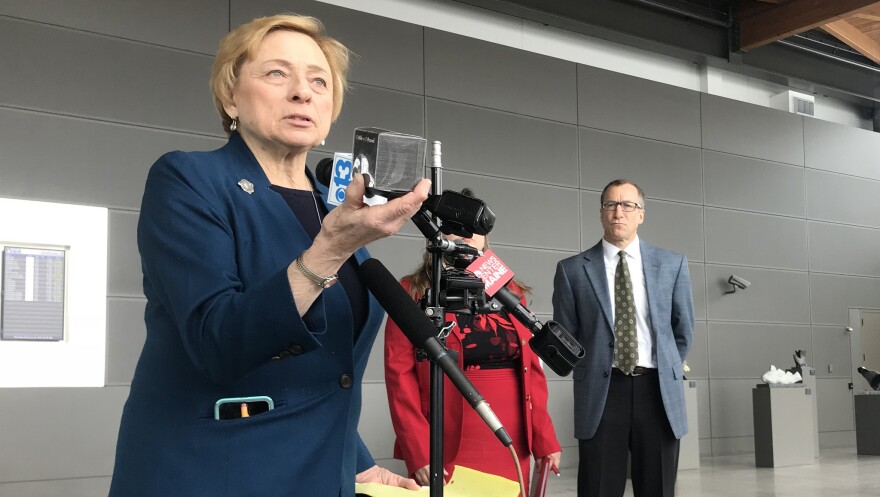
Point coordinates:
[(737, 282)]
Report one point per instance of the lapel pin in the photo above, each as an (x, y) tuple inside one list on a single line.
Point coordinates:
[(247, 186)]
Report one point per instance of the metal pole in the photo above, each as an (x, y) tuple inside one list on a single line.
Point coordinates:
[(435, 408)]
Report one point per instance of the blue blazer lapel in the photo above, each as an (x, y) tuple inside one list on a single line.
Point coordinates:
[(594, 266)]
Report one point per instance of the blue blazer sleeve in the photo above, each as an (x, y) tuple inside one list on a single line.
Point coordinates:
[(188, 243)]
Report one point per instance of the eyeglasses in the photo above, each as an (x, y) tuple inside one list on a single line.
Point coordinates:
[(610, 205)]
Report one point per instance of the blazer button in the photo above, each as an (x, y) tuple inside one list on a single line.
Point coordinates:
[(611, 344), (525, 369), (345, 381), (605, 374)]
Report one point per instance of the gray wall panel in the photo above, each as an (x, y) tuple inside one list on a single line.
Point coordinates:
[(733, 445), (673, 226), (368, 106), (703, 410), (833, 295), (698, 356), (842, 149), (731, 405), (753, 185), (740, 350), (456, 69), (755, 239), (834, 439), (503, 144), (561, 409), (774, 296), (751, 130), (388, 53), (835, 404), (527, 214), (836, 248), (195, 25), (831, 347), (118, 80), (53, 158), (126, 333), (843, 199), (591, 224), (82, 444), (536, 269), (124, 276), (663, 170), (401, 255), (634, 106), (698, 289)]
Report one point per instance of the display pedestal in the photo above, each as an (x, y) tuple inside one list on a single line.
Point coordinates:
[(689, 449), (784, 428), (809, 376), (867, 416)]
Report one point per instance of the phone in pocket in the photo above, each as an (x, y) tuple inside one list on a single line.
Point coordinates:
[(242, 407)]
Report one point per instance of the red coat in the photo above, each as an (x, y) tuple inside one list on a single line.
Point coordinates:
[(408, 384)]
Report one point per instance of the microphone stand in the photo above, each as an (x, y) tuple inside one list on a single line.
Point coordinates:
[(437, 315)]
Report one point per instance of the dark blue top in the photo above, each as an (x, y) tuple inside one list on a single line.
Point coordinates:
[(310, 211)]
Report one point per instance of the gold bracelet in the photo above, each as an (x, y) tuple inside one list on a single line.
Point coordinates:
[(322, 281)]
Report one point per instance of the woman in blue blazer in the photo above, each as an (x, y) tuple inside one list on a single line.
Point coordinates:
[(240, 256)]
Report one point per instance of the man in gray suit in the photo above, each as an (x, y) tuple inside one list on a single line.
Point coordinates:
[(629, 305)]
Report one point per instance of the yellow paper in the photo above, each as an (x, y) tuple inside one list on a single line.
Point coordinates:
[(465, 482)]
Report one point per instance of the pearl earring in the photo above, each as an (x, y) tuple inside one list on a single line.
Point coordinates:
[(234, 125), (323, 142)]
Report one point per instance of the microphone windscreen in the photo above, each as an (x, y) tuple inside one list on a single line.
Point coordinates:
[(396, 302), (324, 170)]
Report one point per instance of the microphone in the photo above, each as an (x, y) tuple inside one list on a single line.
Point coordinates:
[(324, 171), (551, 342), (461, 214), (872, 377), (421, 332)]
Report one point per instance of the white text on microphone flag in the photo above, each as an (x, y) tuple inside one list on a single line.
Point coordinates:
[(494, 273)]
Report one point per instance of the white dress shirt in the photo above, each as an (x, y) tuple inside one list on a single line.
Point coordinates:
[(644, 334)]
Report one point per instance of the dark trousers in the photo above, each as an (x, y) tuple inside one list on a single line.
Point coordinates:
[(634, 423)]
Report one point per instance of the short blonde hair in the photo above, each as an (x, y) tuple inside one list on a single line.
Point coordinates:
[(243, 42)]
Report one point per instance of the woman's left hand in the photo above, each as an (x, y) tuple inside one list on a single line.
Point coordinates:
[(377, 474), (554, 458)]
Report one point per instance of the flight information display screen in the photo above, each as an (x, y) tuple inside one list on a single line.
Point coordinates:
[(32, 294)]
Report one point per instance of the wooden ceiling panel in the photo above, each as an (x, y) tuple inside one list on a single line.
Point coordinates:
[(761, 22)]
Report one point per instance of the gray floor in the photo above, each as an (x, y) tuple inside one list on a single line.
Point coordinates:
[(838, 473)]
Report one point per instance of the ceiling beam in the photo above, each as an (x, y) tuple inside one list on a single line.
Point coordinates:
[(794, 17), (852, 36)]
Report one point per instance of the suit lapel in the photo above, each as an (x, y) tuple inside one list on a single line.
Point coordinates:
[(594, 266)]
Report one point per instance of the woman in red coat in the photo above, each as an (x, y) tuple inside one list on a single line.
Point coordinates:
[(494, 353)]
